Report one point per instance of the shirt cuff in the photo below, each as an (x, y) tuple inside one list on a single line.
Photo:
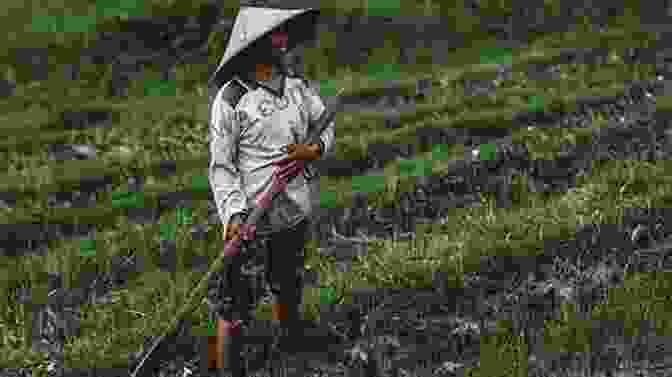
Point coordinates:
[(321, 145), (239, 217), (231, 211)]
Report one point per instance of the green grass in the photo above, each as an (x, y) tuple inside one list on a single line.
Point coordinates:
[(338, 191), (141, 120), (76, 21), (114, 330), (80, 94), (35, 176), (474, 232), (356, 147), (397, 177)]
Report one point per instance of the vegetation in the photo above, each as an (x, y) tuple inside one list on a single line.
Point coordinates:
[(174, 127)]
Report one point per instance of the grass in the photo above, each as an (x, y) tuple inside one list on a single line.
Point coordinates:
[(353, 81), (112, 331), (87, 16), (474, 232), (504, 106), (541, 142), (418, 257), (521, 231)]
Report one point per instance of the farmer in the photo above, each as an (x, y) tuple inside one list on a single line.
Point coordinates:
[(260, 114)]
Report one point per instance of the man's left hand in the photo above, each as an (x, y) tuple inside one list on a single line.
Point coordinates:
[(300, 152)]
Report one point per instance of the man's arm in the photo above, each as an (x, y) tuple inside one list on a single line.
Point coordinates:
[(315, 107), (224, 176)]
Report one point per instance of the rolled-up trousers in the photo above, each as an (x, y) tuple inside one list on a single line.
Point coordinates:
[(283, 254)]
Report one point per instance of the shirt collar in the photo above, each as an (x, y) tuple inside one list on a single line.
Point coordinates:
[(275, 86)]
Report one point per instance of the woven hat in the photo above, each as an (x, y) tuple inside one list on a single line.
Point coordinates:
[(252, 24)]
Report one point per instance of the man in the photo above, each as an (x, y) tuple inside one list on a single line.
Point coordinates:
[(258, 119)]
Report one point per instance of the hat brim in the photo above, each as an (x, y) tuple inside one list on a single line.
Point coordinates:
[(301, 29)]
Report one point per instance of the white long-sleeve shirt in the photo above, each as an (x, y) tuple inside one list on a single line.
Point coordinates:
[(246, 137)]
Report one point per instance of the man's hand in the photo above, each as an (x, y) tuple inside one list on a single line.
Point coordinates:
[(301, 152), (234, 228), (232, 232)]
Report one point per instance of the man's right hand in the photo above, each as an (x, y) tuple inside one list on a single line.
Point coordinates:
[(232, 232), (233, 229)]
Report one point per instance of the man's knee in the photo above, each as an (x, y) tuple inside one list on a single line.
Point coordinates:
[(287, 290), (234, 300), (286, 278)]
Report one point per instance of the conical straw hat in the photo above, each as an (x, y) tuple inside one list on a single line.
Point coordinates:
[(251, 24)]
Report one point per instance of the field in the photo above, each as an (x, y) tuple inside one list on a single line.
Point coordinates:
[(500, 214)]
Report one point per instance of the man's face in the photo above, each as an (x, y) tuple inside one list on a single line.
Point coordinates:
[(279, 40), (278, 47), (272, 53)]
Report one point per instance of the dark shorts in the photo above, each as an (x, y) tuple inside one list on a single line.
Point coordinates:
[(282, 254)]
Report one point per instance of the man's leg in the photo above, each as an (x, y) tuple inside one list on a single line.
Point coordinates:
[(233, 311), (229, 345), (286, 254)]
